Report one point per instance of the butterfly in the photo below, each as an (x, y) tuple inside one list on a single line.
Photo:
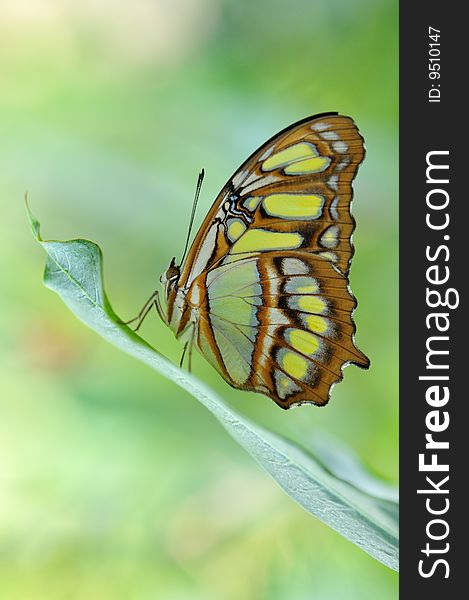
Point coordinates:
[(264, 292)]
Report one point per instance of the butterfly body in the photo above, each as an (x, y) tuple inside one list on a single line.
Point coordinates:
[(264, 293)]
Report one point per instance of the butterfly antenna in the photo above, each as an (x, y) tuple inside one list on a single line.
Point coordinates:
[(194, 206)]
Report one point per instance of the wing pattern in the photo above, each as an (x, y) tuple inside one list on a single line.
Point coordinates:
[(279, 323), (298, 183), (267, 273)]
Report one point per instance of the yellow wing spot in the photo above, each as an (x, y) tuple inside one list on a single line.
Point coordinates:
[(236, 228), (316, 324), (310, 304), (330, 238), (304, 342), (252, 202), (307, 289), (292, 154), (294, 364), (302, 285), (299, 206), (332, 256), (261, 240), (311, 165)]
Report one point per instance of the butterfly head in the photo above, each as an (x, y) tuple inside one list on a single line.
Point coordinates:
[(170, 278)]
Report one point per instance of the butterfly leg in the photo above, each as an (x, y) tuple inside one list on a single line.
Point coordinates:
[(191, 347), (152, 300), (183, 355), (159, 308), (143, 313), (189, 344)]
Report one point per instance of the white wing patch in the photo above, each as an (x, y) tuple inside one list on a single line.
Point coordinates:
[(294, 266), (340, 147), (330, 135), (330, 238)]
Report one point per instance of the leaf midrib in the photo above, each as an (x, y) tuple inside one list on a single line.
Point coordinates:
[(337, 494)]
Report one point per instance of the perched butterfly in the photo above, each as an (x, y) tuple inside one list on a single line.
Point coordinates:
[(264, 293)]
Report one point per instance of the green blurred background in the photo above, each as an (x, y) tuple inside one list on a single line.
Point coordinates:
[(114, 483)]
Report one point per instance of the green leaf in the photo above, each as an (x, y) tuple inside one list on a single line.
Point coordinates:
[(318, 480)]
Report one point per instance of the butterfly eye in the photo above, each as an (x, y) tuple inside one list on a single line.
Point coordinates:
[(172, 274)]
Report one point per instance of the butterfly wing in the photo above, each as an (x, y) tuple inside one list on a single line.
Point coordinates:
[(297, 183), (279, 323), (268, 268)]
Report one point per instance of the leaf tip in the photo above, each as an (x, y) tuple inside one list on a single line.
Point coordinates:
[(35, 225)]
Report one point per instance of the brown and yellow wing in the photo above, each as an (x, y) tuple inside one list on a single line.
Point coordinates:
[(269, 266), (298, 184), (279, 323)]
